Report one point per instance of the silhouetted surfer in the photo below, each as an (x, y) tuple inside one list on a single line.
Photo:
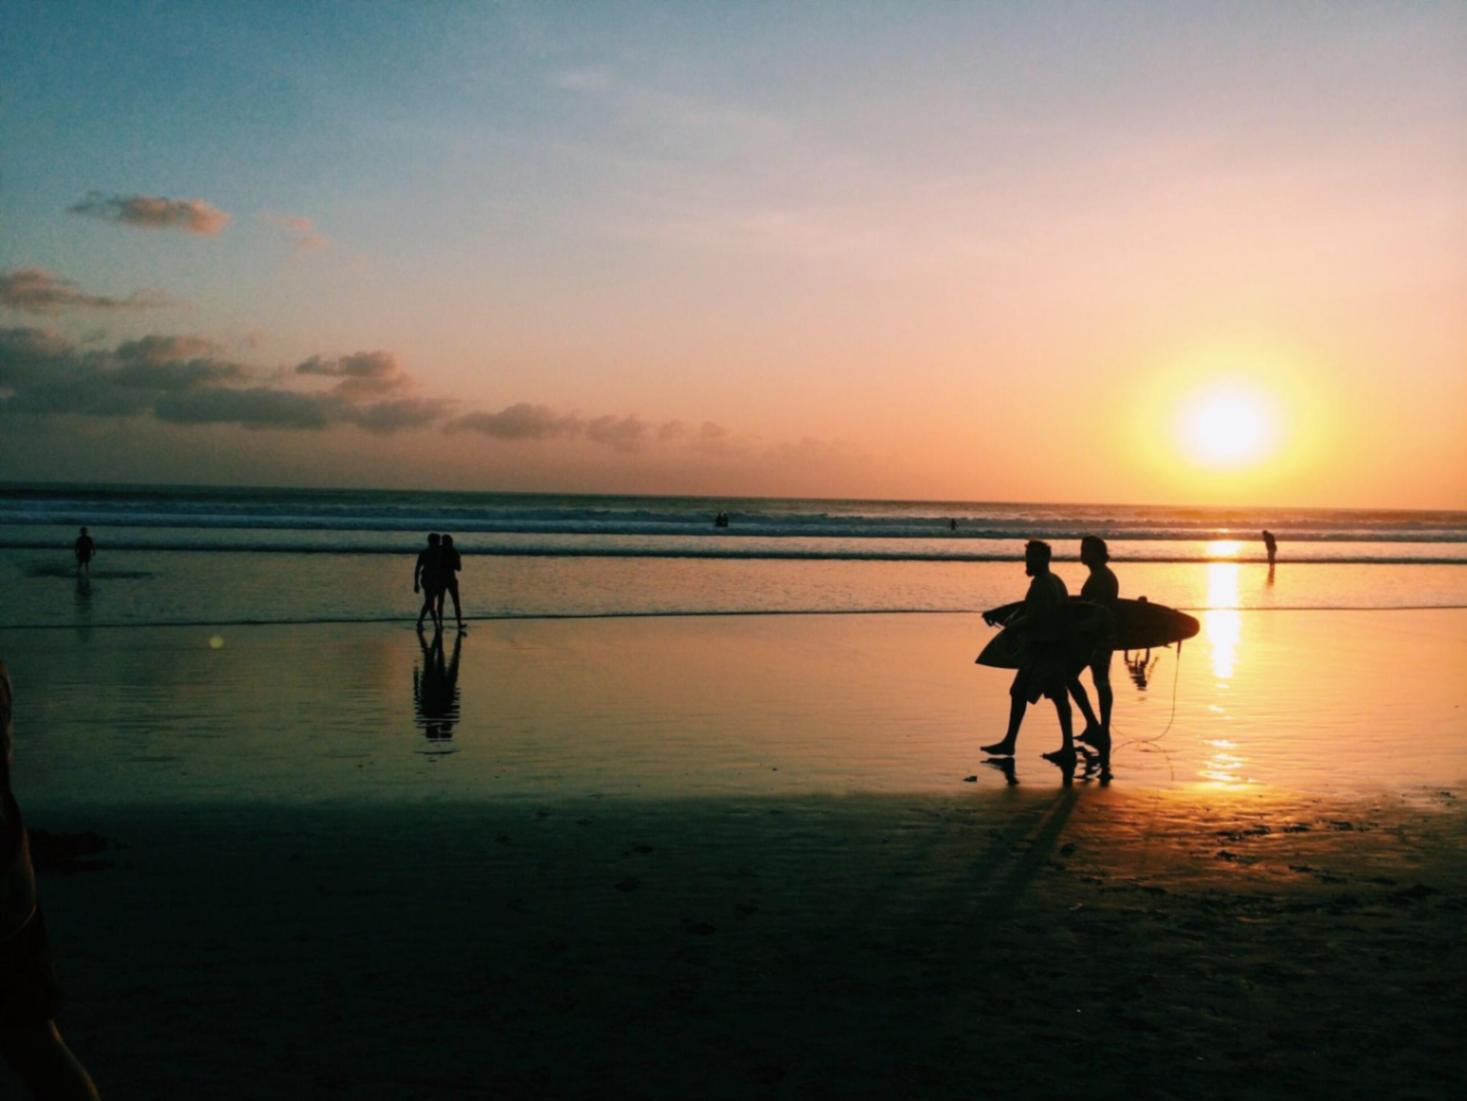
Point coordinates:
[(1046, 668), (29, 999), (428, 579), (85, 550), (1100, 588), (451, 564), (1271, 545)]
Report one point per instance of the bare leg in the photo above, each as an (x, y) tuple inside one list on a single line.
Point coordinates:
[(1082, 701), (1017, 706), (45, 1064), (1067, 730), (457, 614)]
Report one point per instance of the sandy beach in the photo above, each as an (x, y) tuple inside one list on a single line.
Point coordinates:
[(1070, 942), (744, 857)]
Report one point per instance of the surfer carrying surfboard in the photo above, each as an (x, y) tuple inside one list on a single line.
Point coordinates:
[(1102, 589), (1048, 661)]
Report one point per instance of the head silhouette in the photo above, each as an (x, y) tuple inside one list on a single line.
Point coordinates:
[(1093, 551), (1036, 557), (83, 531), (447, 539), (433, 539)]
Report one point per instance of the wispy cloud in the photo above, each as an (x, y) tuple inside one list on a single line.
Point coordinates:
[(154, 212), (38, 291), (299, 232)]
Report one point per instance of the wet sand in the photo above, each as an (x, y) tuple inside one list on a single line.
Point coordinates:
[(737, 858), (1073, 942)]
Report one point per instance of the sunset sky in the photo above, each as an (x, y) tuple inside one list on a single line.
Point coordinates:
[(1123, 252)]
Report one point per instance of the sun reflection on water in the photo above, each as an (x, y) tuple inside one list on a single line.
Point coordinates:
[(1222, 626)]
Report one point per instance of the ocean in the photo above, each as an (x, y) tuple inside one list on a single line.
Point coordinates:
[(258, 644), (179, 555)]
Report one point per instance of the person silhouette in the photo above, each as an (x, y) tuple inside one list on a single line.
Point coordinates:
[(428, 579), (29, 1000), (1102, 589), (451, 563), (1271, 545), (84, 549), (435, 688), (1046, 665)]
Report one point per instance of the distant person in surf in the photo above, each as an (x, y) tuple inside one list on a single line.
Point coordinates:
[(428, 579), (1271, 545), (29, 999), (451, 563), (1047, 663), (84, 549), (1100, 588)]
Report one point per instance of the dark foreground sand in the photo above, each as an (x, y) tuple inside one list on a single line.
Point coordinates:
[(1034, 943)]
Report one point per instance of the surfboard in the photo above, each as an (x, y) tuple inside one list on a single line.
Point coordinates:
[(1139, 625)]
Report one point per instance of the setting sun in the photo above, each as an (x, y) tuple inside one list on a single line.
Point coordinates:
[(1226, 428)]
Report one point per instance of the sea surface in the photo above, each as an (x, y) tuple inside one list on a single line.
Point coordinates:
[(257, 645), (201, 555)]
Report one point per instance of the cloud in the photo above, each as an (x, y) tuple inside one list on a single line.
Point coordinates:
[(36, 290), (154, 212), (521, 421), (299, 232), (622, 433), (401, 414), (256, 407), (187, 380), (362, 374)]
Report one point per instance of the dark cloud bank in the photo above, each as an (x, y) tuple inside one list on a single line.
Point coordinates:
[(188, 381), (36, 290)]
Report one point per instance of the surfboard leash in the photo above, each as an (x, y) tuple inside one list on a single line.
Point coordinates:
[(1171, 719)]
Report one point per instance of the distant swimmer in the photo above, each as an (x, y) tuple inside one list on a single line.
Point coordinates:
[(1047, 662), (85, 549), (1271, 545), (451, 564), (29, 999), (428, 579), (1100, 588)]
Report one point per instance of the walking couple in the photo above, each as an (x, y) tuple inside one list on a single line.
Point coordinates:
[(436, 575), (1056, 654)]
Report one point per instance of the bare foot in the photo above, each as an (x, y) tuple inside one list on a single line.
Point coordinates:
[(1062, 754), (999, 749)]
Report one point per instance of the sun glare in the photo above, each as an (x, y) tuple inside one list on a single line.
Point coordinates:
[(1225, 428)]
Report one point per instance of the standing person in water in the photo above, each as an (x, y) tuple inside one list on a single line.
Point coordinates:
[(29, 1000), (1100, 588), (428, 579), (1270, 544), (451, 564), (84, 549), (1046, 668)]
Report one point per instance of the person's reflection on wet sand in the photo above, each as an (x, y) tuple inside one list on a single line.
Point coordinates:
[(435, 688), (1006, 766)]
